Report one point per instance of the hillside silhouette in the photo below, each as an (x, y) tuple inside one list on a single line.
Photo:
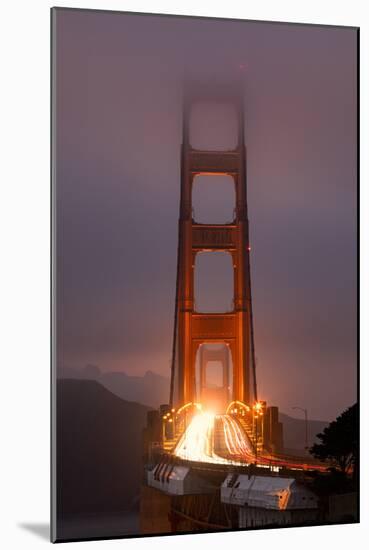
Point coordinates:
[(99, 454), (294, 432), (151, 389)]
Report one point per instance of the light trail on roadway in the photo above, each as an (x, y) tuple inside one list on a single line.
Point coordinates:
[(219, 439), (197, 442)]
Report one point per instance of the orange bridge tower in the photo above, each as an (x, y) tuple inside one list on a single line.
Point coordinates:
[(234, 329)]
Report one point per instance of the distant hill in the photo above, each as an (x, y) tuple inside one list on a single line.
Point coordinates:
[(99, 449), (151, 389), (294, 431)]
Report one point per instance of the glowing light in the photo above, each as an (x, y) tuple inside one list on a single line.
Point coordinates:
[(198, 406), (231, 407), (221, 439), (197, 443), (236, 440), (186, 406)]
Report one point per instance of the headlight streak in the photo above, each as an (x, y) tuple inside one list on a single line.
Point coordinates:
[(241, 443), (197, 443), (236, 440), (205, 441)]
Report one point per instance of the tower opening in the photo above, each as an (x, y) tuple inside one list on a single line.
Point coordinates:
[(214, 376), (213, 126), (213, 282), (213, 199)]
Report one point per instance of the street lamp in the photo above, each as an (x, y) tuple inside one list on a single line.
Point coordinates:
[(306, 425)]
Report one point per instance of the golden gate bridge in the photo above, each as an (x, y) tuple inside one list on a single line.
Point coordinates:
[(210, 440)]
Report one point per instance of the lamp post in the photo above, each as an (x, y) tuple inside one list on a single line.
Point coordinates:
[(306, 425)]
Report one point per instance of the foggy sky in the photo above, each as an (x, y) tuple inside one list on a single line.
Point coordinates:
[(118, 135)]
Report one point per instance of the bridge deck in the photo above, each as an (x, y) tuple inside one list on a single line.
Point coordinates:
[(223, 439)]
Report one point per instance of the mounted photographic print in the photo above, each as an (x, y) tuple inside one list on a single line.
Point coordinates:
[(204, 271)]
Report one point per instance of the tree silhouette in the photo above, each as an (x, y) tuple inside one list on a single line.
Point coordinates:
[(339, 442)]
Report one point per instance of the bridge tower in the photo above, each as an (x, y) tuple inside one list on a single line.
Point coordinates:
[(193, 329)]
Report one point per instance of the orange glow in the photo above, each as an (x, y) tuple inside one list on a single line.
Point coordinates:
[(230, 446), (231, 407), (225, 439), (197, 443), (184, 407)]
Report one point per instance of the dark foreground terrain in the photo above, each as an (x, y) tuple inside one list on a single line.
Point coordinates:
[(99, 461)]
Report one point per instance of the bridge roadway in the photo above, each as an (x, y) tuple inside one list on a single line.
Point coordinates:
[(222, 439)]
